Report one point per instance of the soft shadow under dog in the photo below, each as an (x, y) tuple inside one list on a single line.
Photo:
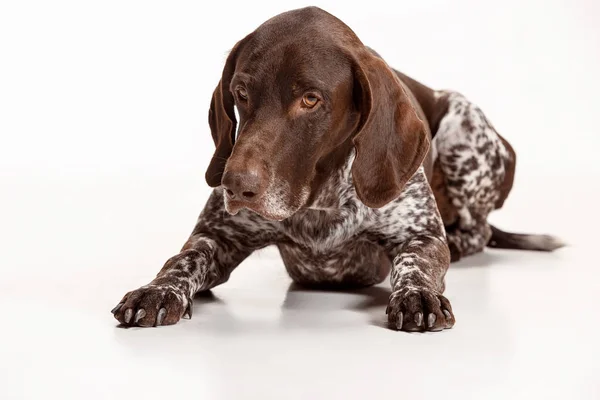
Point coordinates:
[(320, 301)]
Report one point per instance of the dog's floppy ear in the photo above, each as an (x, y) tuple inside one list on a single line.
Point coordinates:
[(222, 121), (391, 141)]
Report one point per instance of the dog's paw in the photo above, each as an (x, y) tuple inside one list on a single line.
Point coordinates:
[(419, 309), (153, 305)]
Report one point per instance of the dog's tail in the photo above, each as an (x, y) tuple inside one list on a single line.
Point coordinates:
[(507, 240)]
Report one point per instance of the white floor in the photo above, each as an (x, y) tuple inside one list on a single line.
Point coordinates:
[(526, 322)]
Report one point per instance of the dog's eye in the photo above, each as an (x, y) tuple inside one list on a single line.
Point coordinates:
[(242, 93), (310, 100)]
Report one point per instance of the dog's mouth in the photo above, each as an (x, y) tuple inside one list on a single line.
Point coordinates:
[(235, 206), (270, 206)]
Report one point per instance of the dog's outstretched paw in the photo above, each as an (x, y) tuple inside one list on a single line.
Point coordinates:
[(153, 305), (419, 310)]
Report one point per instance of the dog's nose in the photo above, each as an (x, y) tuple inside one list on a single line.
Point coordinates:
[(245, 186)]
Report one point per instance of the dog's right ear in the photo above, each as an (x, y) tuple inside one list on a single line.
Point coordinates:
[(221, 118), (391, 141)]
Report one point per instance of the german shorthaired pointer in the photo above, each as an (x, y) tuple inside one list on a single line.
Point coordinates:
[(332, 163)]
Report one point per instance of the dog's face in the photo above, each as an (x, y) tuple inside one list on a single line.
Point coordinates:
[(295, 106), (304, 89)]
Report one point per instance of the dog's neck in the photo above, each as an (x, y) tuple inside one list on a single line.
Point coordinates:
[(333, 191)]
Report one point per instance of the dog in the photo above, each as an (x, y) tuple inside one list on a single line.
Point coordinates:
[(352, 169)]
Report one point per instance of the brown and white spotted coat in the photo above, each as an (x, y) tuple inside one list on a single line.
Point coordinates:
[(337, 242), (327, 165)]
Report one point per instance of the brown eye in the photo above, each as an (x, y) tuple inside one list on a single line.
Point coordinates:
[(242, 93), (310, 100)]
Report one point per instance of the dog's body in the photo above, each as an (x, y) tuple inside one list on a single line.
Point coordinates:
[(366, 197)]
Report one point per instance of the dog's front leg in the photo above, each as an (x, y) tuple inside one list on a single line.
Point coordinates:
[(417, 279), (412, 233), (218, 244)]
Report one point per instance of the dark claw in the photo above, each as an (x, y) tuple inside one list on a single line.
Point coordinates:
[(447, 314), (117, 308), (128, 315), (419, 319), (161, 315), (431, 320), (141, 313), (188, 311)]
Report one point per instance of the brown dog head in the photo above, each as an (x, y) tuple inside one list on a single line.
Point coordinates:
[(307, 91)]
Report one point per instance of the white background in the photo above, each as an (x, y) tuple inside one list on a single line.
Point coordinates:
[(104, 142)]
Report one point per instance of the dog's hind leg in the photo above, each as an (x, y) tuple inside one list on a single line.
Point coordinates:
[(472, 158), (463, 243)]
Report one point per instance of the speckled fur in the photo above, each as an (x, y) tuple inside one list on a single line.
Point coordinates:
[(336, 241), (473, 159)]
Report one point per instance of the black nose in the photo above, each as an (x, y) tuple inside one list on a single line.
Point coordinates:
[(245, 186)]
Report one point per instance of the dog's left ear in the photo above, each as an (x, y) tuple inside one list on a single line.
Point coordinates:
[(391, 141), (222, 121)]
